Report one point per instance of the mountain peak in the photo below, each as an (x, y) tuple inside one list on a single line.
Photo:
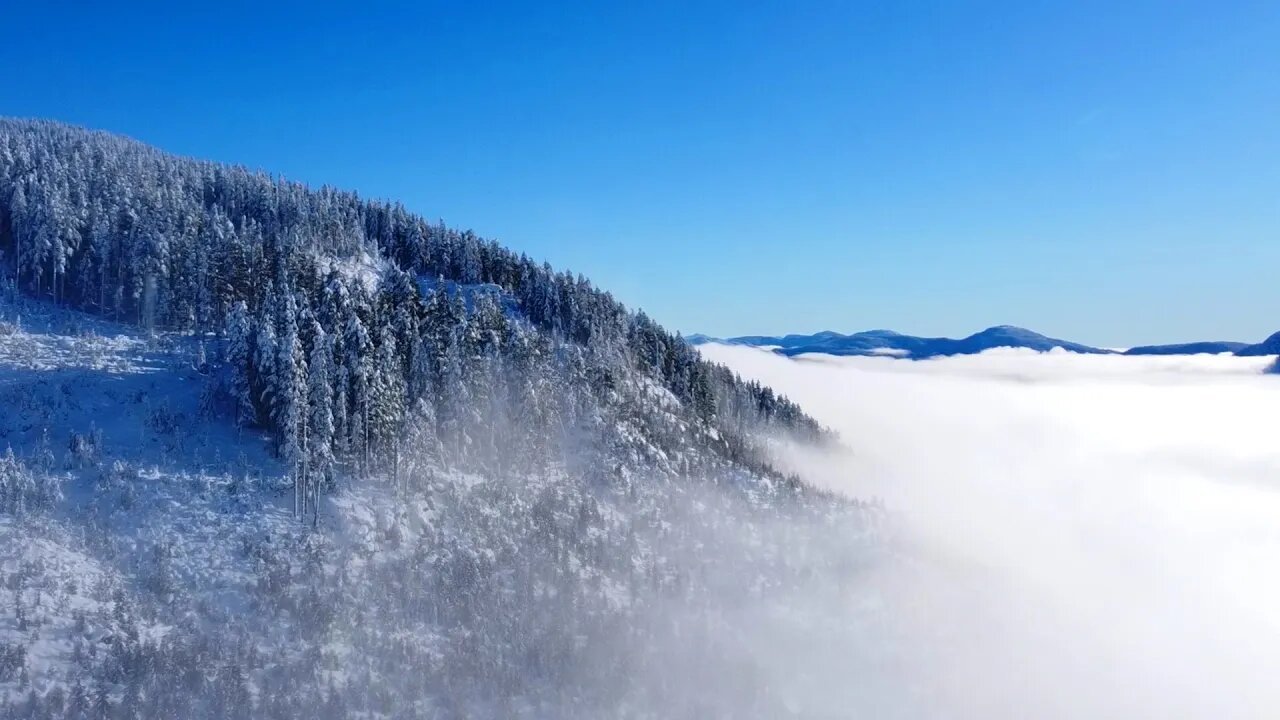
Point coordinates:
[(1270, 346), (1007, 330)]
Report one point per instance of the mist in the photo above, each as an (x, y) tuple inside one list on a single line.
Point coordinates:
[(1073, 535)]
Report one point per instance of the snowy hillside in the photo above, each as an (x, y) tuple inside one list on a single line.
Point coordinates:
[(288, 453), (123, 498), (153, 562)]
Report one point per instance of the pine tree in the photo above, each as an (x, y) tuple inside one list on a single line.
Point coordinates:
[(400, 307), (387, 398), (266, 354), (289, 411), (358, 362), (422, 443), (18, 213), (334, 315), (238, 358), (443, 324), (320, 403)]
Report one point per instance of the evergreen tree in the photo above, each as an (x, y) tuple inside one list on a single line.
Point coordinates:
[(239, 353), (387, 399), (266, 356), (289, 411), (358, 364), (320, 402)]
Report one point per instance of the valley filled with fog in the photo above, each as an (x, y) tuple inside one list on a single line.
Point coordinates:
[(1075, 535)]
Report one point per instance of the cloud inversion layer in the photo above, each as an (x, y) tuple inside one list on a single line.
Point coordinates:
[(1081, 536)]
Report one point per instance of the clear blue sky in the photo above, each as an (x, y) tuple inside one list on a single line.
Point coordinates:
[(1103, 171)]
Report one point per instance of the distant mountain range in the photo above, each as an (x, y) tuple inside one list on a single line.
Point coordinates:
[(894, 344)]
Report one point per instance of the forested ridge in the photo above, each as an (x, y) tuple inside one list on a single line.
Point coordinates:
[(333, 339)]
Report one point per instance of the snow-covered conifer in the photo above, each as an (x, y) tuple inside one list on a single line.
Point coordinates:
[(238, 353)]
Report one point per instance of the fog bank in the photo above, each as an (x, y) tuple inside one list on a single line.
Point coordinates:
[(1078, 536)]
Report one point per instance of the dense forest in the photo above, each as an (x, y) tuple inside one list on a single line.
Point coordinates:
[(345, 320)]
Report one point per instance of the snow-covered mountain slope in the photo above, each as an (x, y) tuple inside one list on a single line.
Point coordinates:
[(329, 460), (328, 299), (149, 504), (154, 564)]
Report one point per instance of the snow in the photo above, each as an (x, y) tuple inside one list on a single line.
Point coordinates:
[(57, 583), (153, 477), (175, 525), (362, 266)]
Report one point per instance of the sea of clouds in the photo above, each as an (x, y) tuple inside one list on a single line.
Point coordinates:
[(1075, 535)]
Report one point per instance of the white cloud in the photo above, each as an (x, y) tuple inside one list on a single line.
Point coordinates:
[(1083, 536)]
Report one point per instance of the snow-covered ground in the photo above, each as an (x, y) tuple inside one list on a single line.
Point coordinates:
[(150, 556), (1085, 536), (155, 496)]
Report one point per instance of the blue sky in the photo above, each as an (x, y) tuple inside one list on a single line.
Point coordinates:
[(1103, 173)]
